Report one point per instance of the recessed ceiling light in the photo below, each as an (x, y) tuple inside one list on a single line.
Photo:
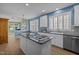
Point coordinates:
[(43, 10), (27, 4)]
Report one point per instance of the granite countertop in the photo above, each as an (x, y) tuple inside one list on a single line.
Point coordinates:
[(71, 33), (64, 33), (67, 33), (37, 38)]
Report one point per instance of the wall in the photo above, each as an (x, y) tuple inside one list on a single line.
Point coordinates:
[(66, 9)]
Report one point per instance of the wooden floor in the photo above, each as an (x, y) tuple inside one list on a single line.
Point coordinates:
[(13, 48), (60, 51)]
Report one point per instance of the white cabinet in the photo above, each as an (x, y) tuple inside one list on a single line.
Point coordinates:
[(43, 21), (76, 15), (57, 40), (23, 44)]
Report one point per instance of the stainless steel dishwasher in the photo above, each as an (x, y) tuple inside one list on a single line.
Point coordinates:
[(75, 44)]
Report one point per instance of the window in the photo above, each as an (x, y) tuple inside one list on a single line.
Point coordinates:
[(43, 21), (60, 22), (55, 23), (67, 22), (34, 25), (51, 20)]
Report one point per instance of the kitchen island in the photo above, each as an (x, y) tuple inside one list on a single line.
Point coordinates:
[(35, 44)]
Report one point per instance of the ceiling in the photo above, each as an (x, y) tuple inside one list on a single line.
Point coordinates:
[(19, 10)]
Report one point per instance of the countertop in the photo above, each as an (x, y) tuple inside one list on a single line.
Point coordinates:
[(42, 41), (64, 33), (36, 39), (71, 33)]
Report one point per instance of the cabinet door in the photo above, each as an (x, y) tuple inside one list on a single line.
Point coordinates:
[(76, 15), (23, 44), (59, 40), (75, 45), (67, 42), (53, 40)]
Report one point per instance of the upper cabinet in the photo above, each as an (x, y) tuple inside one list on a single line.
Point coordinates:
[(34, 25), (43, 21), (76, 15)]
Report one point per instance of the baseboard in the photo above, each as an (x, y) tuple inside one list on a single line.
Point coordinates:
[(22, 51), (71, 51), (57, 46)]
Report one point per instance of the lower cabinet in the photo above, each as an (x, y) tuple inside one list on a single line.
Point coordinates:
[(75, 44), (57, 40), (71, 43), (23, 44)]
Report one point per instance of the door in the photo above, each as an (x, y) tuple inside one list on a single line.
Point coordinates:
[(3, 31)]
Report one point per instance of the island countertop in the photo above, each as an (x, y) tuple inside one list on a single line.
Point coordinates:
[(40, 39)]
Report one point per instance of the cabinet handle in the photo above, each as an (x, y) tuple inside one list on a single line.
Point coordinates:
[(75, 37)]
